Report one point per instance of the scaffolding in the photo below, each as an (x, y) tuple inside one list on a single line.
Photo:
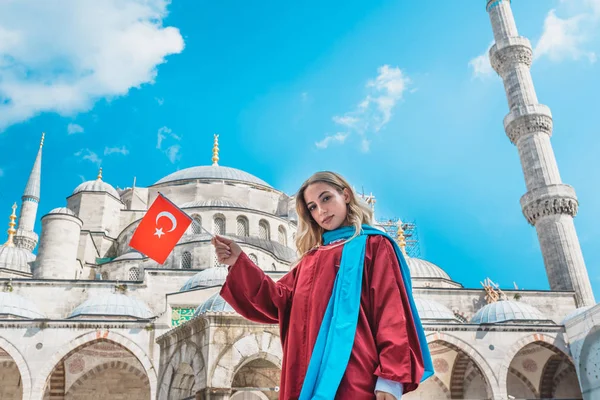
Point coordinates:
[(411, 236)]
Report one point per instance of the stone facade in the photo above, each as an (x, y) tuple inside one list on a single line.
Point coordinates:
[(97, 319)]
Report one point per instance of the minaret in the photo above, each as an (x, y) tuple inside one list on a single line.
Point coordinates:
[(25, 236), (549, 204), (215, 157)]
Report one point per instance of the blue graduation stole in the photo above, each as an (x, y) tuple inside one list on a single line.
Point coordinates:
[(336, 335)]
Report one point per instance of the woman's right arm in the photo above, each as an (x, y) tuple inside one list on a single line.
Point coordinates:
[(254, 295)]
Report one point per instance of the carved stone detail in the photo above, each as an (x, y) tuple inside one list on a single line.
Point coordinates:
[(506, 57), (550, 206), (529, 124)]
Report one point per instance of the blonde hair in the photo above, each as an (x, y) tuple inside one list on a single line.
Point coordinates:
[(309, 234)]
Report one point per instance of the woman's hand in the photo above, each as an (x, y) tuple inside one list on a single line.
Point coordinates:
[(227, 250), (379, 395)]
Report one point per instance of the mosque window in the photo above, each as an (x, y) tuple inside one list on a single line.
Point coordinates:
[(282, 235), (186, 260), (134, 274), (242, 226), (253, 257), (196, 225), (219, 228), (263, 230)]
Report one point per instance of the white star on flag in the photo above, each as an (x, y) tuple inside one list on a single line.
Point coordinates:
[(159, 232)]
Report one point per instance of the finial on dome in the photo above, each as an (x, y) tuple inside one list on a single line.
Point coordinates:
[(11, 227), (99, 177), (215, 157), (42, 141), (400, 239)]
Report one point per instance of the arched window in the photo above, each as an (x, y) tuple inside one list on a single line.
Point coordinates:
[(219, 225), (282, 235), (134, 274), (242, 226), (263, 230), (186, 260), (196, 225), (253, 257)]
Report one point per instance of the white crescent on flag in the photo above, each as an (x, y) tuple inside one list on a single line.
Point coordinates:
[(170, 216)]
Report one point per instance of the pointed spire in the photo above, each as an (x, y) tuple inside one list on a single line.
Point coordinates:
[(99, 177), (215, 157), (11, 227), (400, 239), (32, 189)]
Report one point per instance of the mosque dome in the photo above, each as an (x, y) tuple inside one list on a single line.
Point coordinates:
[(14, 305), (575, 313), (424, 269), (214, 304), (209, 277), (507, 311), (16, 258), (61, 210), (212, 172), (112, 304), (213, 203), (432, 310), (97, 185)]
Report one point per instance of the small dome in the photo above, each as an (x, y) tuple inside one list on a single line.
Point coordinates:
[(424, 269), (209, 277), (112, 304), (61, 210), (432, 310), (506, 311), (14, 305), (214, 304), (16, 258), (130, 255), (574, 313), (96, 186), (213, 203), (212, 172)]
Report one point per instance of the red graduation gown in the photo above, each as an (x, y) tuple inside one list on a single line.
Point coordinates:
[(386, 343)]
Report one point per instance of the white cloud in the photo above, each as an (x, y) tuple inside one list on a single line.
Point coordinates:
[(87, 154), (74, 128), (365, 145), (63, 55), (339, 137), (172, 151), (120, 150), (565, 38), (481, 64), (374, 112)]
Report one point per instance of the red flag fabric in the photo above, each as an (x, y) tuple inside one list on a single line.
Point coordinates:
[(160, 229)]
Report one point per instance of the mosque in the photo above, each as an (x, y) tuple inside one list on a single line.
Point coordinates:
[(87, 317)]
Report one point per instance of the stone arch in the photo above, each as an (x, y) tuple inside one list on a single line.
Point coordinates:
[(264, 229), (196, 225), (242, 396), (219, 224), (282, 235), (74, 345), (188, 353), (525, 381), (102, 367), (245, 349), (553, 343), (465, 349), (21, 366)]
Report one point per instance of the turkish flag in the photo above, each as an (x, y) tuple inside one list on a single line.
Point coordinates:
[(160, 229)]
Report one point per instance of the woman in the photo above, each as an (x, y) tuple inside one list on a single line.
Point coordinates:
[(347, 320)]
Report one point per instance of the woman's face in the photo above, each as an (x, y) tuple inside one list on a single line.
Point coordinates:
[(326, 205)]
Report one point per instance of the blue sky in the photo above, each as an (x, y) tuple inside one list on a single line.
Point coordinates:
[(396, 96)]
